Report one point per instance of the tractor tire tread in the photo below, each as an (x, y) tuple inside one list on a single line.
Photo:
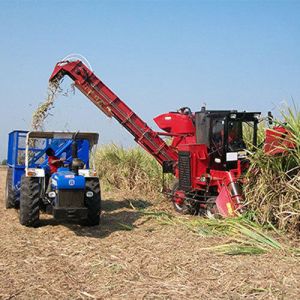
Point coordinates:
[(30, 201), (10, 194), (93, 204)]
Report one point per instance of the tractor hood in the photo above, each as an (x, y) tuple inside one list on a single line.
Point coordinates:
[(66, 180)]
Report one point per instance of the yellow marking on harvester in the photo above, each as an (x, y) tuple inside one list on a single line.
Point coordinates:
[(229, 208)]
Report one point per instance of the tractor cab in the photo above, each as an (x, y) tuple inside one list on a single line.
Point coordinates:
[(226, 134), (73, 148)]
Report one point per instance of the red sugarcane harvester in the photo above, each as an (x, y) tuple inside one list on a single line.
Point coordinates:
[(207, 153)]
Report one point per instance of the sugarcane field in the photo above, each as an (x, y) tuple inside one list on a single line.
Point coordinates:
[(150, 150)]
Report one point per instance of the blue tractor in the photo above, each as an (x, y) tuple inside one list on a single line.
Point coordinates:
[(72, 192)]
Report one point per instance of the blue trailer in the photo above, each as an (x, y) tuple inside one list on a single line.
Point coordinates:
[(72, 192)]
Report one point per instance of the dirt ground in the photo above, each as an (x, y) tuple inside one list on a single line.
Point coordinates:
[(131, 257)]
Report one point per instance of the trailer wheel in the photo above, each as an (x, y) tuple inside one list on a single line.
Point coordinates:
[(30, 201), (181, 205), (10, 195), (93, 203)]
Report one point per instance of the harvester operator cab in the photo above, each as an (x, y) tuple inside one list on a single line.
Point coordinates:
[(227, 135)]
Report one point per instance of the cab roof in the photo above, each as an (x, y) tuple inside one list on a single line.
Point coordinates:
[(92, 137)]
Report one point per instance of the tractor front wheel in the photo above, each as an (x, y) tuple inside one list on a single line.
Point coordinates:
[(93, 203), (30, 201), (10, 195)]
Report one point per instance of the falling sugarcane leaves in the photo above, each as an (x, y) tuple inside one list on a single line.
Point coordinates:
[(43, 110)]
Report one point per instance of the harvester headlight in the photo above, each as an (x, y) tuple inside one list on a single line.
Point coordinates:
[(51, 194), (89, 194), (233, 116)]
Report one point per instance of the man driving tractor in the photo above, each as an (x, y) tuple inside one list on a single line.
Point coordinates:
[(53, 161)]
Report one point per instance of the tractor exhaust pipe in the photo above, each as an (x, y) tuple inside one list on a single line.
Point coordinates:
[(74, 149), (76, 162)]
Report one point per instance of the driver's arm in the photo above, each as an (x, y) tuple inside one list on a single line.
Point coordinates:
[(56, 161)]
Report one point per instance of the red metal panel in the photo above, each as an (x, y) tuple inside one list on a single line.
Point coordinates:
[(278, 140), (175, 123)]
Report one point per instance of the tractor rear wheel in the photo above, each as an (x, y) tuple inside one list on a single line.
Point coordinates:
[(30, 201), (10, 195), (180, 204), (93, 203)]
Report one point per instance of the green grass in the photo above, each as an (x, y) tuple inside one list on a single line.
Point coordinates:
[(244, 237), (272, 188), (129, 170)]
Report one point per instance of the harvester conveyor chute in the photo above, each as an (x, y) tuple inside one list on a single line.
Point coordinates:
[(106, 100)]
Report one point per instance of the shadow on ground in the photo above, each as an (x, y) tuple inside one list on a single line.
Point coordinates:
[(111, 205), (117, 215)]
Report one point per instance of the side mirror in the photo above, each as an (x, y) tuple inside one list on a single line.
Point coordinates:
[(270, 118)]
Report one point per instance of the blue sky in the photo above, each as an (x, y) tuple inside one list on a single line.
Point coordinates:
[(156, 55)]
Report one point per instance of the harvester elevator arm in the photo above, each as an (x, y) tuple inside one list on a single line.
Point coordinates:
[(106, 100)]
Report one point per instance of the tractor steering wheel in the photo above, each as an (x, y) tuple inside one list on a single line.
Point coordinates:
[(67, 164)]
